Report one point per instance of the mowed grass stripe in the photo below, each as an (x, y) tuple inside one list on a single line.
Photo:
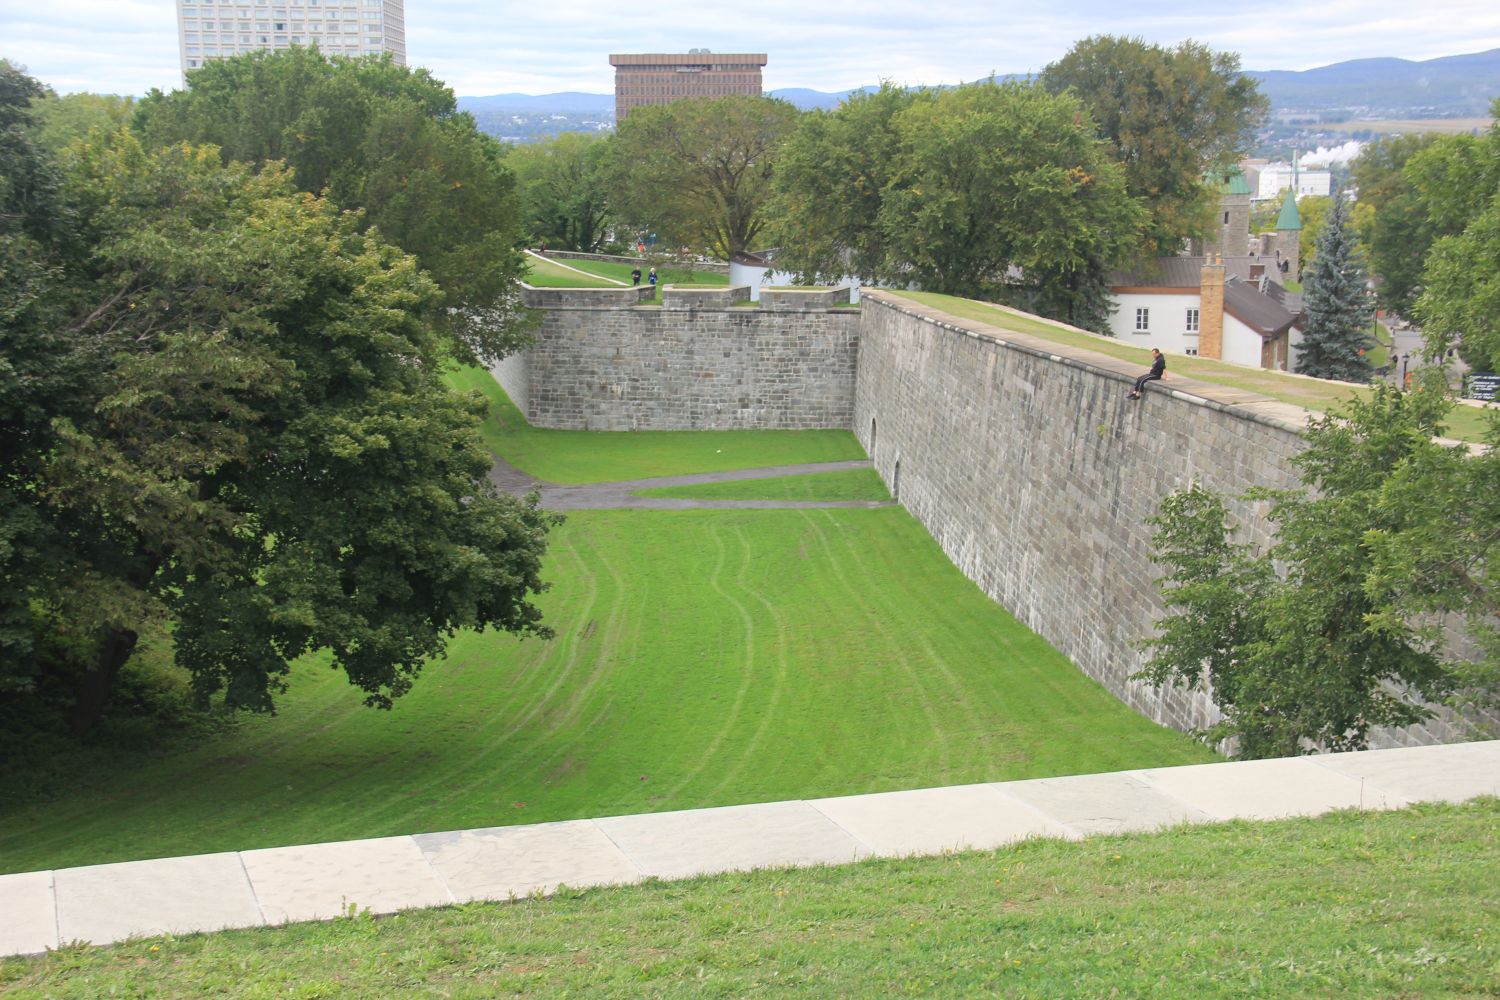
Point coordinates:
[(862, 663)]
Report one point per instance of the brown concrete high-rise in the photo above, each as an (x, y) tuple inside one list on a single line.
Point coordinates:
[(658, 78)]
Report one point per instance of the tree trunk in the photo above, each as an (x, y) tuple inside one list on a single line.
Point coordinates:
[(91, 693)]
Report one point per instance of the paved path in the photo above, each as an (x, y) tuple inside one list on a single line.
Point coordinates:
[(106, 903), (621, 494)]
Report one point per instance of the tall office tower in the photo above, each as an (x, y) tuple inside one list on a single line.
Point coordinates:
[(212, 29), (662, 79)]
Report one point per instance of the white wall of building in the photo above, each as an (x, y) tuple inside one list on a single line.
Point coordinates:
[(1277, 177), (1166, 319), (755, 277), (1242, 345)]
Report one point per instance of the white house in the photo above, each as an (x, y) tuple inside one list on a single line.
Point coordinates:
[(1228, 308)]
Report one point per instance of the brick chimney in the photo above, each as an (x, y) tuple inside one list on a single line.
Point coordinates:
[(1211, 308)]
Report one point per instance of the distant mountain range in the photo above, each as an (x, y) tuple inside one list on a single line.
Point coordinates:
[(1448, 86)]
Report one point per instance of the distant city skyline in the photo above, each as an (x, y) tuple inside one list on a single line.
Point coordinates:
[(480, 48)]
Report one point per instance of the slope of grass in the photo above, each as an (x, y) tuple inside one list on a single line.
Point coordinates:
[(670, 275), (1347, 905), (702, 658), (593, 456), (856, 484), (547, 274), (1464, 423)]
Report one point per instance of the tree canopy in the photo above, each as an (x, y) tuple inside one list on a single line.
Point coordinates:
[(698, 172), (384, 139), (1170, 116), (563, 189), (1340, 626), (224, 410), (1393, 223), (1458, 178), (992, 190)]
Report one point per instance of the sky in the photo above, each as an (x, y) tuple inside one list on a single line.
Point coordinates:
[(482, 47)]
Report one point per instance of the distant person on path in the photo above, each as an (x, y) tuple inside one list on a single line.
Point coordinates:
[(544, 248), (635, 276), (652, 276), (1158, 369)]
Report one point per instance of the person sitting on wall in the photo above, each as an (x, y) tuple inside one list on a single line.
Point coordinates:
[(1158, 370), (635, 276)]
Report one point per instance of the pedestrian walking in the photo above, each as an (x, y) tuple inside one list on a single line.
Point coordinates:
[(635, 276), (652, 276)]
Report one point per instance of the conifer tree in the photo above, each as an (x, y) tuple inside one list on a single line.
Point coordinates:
[(1337, 303)]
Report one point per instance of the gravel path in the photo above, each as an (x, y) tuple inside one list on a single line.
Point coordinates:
[(621, 494)]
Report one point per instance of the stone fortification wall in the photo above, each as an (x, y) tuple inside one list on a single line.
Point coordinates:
[(601, 366), (1036, 475)]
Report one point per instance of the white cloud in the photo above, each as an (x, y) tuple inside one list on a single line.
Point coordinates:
[(481, 47)]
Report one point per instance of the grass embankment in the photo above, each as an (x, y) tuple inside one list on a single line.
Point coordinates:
[(1365, 905), (547, 274), (594, 457), (858, 484), (1464, 422), (702, 658)]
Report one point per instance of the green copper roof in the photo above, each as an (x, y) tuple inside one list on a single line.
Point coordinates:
[(1230, 182), (1289, 217)]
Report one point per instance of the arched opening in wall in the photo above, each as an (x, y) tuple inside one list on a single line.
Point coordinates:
[(896, 481), (872, 439)]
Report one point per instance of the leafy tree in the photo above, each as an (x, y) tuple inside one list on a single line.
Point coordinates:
[(698, 172), (1338, 627), (1313, 211), (1391, 219), (1171, 116), (61, 120), (1460, 305), (563, 193), (834, 171), (250, 439), (1337, 304), (995, 190), (381, 138)]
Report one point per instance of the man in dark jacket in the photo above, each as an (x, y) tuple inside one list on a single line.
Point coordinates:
[(1158, 369)]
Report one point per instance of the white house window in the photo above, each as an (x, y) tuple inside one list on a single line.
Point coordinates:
[(1192, 321), (1142, 320)]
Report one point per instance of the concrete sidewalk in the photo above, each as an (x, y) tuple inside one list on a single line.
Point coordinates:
[(106, 903)]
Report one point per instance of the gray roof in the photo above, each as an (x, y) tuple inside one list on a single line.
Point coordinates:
[(1260, 303), (1256, 309), (1183, 272)]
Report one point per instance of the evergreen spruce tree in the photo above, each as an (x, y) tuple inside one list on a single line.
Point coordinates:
[(1337, 304)]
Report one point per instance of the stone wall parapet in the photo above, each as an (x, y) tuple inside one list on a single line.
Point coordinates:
[(802, 299), (586, 298), (703, 298)]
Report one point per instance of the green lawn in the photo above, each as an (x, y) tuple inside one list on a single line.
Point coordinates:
[(858, 484), (1465, 423), (591, 457), (1395, 904), (548, 274), (670, 275), (702, 658)]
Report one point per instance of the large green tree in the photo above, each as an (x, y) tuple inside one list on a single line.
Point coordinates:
[(698, 172), (992, 190), (1339, 627), (1171, 117), (1337, 304), (225, 410), (1458, 181), (1392, 221), (384, 139), (563, 189)]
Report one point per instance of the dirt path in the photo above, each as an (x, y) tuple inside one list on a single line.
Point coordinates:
[(621, 494)]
